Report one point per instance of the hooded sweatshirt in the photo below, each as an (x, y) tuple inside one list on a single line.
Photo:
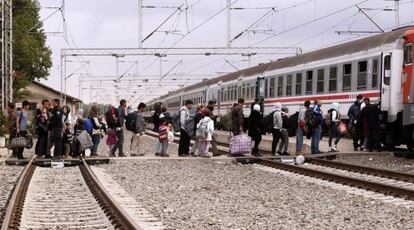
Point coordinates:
[(335, 112), (277, 116)]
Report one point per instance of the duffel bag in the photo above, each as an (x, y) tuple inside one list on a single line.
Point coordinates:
[(240, 145), (18, 143)]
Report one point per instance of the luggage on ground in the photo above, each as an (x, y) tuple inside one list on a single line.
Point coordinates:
[(227, 121), (130, 122), (268, 123), (240, 145)]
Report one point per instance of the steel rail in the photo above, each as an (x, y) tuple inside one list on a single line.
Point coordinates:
[(350, 181), (15, 204), (116, 214), (365, 170)]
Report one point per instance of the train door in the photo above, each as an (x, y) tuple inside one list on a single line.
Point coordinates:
[(385, 82), (260, 87)]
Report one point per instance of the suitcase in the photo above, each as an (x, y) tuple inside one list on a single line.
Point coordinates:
[(240, 145)]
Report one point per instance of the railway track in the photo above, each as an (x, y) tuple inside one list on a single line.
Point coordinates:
[(386, 182), (71, 197)]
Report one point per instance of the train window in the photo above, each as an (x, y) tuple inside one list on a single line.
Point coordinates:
[(253, 90), (320, 83), (289, 85), (309, 80), (346, 77), (299, 84), (280, 86), (408, 54), (374, 74), (333, 74), (272, 87), (362, 75), (243, 91), (266, 86), (387, 69)]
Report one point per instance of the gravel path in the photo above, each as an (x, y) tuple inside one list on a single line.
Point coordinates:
[(189, 194), (382, 161), (8, 178)]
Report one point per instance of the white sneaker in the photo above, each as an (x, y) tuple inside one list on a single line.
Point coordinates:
[(334, 148)]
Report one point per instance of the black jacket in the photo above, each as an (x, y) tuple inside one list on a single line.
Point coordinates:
[(56, 119), (370, 115), (354, 111), (255, 124)]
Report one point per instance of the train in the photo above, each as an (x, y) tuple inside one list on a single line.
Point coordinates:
[(379, 67)]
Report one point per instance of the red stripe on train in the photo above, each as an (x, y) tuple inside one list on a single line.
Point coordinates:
[(328, 97)]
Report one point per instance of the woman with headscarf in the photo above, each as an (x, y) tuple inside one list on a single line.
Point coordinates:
[(255, 128), (98, 127), (332, 121)]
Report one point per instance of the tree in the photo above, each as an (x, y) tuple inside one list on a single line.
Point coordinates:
[(31, 57)]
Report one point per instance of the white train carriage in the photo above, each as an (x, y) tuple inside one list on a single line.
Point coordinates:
[(378, 67)]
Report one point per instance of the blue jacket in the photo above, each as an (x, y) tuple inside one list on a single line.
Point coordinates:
[(354, 111), (318, 113)]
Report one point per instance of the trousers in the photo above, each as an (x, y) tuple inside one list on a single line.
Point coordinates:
[(184, 143), (276, 137)]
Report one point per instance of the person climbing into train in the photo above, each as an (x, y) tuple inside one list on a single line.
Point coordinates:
[(370, 116), (300, 131), (355, 127), (277, 126), (197, 118), (237, 117), (255, 128), (332, 120), (317, 128), (284, 133)]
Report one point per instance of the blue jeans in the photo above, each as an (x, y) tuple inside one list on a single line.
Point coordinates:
[(316, 137), (96, 139), (299, 139)]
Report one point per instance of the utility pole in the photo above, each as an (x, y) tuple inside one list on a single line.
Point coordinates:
[(228, 24), (140, 23), (397, 13), (6, 69)]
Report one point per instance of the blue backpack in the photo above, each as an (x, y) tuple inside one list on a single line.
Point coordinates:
[(87, 123)]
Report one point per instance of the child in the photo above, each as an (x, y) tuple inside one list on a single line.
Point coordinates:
[(111, 140), (205, 129), (163, 137), (170, 133), (67, 140)]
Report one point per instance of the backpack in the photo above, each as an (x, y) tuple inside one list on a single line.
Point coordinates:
[(310, 119), (227, 121), (328, 118), (130, 122), (202, 130), (189, 127), (87, 123), (176, 121), (268, 123)]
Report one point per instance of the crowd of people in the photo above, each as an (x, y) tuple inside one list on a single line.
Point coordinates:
[(55, 128)]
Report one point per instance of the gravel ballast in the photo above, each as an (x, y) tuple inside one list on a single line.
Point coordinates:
[(8, 179), (189, 194), (382, 161)]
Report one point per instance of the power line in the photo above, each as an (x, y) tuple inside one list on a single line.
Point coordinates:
[(310, 22)]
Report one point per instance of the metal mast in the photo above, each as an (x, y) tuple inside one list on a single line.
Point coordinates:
[(140, 23), (228, 24), (6, 53)]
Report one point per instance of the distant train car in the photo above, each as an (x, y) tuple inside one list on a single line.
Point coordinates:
[(378, 67)]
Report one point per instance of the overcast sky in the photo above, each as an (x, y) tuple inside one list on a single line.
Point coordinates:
[(308, 24)]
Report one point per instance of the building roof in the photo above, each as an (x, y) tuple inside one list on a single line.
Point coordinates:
[(68, 97)]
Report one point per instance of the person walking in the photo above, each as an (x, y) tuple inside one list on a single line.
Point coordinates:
[(197, 118), (163, 137), (355, 127), (98, 127), (41, 117), (300, 131), (13, 126), (317, 130), (56, 127), (139, 130), (206, 126), (184, 143), (209, 111), (370, 117), (120, 115), (284, 133), (332, 121), (238, 117), (255, 128), (277, 126)]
